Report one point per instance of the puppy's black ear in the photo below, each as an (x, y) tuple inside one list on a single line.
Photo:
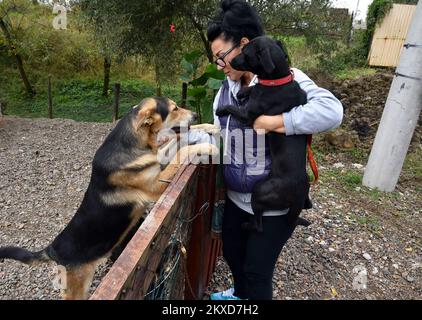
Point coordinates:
[(284, 49), (239, 63), (266, 60)]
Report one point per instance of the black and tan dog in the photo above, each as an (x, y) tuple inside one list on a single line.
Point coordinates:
[(126, 178), (276, 92)]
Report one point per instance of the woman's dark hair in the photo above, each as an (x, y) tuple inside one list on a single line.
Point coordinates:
[(234, 20)]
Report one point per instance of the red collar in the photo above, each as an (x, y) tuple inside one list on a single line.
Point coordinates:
[(277, 82)]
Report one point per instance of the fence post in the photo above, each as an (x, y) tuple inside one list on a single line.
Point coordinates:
[(50, 99), (184, 93), (116, 102)]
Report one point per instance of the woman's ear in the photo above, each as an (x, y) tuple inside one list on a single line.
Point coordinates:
[(243, 42)]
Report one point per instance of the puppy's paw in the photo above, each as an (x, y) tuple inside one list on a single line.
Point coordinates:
[(221, 112)]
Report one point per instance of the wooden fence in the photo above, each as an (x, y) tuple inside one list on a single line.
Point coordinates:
[(389, 36), (174, 244)]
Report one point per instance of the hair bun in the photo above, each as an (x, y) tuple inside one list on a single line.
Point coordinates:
[(235, 19), (226, 5)]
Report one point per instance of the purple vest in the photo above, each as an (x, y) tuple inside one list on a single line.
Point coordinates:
[(242, 166)]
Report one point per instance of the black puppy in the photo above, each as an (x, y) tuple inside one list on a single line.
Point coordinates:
[(287, 185)]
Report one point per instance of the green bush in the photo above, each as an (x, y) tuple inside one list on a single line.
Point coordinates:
[(351, 57), (376, 13)]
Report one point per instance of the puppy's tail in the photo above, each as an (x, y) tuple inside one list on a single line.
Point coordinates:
[(23, 255), (303, 222)]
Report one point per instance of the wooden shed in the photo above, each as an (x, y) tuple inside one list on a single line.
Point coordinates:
[(389, 36)]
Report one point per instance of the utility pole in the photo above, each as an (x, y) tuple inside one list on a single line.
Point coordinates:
[(400, 114)]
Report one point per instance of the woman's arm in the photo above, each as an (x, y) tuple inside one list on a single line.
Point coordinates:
[(322, 112), (270, 123)]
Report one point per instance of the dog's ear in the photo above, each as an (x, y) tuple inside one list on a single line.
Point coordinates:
[(145, 117), (266, 60), (284, 49), (239, 63), (281, 46)]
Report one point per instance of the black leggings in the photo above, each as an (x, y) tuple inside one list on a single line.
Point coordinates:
[(252, 256)]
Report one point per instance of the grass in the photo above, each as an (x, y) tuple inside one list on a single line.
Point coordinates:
[(300, 54), (348, 179), (79, 99), (357, 154), (352, 179), (371, 221), (413, 164), (354, 73)]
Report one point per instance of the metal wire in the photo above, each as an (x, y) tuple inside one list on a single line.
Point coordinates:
[(165, 279), (178, 240)]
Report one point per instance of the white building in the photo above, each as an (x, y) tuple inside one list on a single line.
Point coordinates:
[(359, 8)]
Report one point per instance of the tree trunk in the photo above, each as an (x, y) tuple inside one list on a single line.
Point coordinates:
[(107, 67), (203, 38), (18, 58)]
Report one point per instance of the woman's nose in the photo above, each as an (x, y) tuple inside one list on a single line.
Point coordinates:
[(219, 67)]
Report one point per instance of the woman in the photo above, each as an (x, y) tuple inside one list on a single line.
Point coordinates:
[(252, 256)]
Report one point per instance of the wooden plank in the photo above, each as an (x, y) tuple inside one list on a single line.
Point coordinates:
[(202, 255), (133, 265), (388, 40)]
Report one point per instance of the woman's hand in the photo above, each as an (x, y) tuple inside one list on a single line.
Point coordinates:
[(264, 124)]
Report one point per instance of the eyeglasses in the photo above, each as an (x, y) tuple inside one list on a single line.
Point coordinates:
[(220, 60)]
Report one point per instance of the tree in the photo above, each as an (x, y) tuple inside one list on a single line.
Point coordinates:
[(11, 10), (149, 35), (109, 29), (197, 14)]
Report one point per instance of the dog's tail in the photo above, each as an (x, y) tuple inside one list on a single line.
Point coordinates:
[(23, 255)]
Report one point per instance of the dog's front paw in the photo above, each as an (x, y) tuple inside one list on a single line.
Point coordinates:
[(207, 127), (244, 93), (205, 149), (198, 153)]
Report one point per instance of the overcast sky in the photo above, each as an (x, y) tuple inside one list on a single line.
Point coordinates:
[(359, 6)]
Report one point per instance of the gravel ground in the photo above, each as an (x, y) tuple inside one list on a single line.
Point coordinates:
[(357, 236), (45, 166)]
